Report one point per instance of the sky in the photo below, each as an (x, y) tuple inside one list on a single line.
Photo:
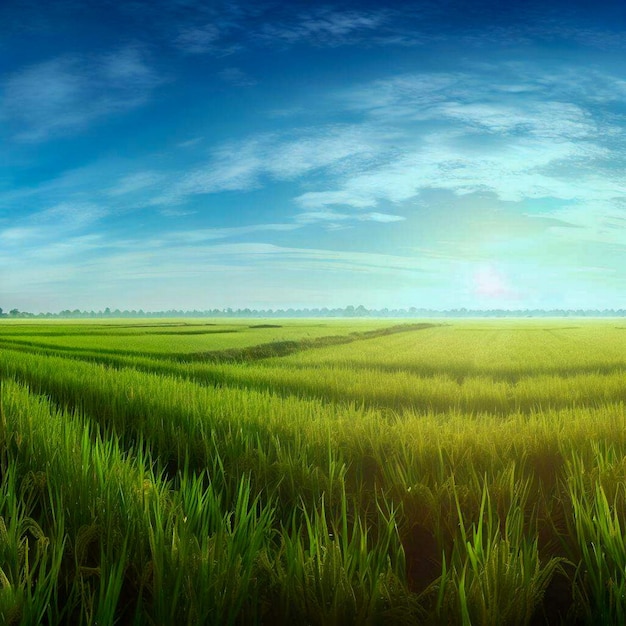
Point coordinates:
[(186, 154)]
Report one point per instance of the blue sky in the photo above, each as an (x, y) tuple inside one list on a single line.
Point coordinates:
[(184, 154)]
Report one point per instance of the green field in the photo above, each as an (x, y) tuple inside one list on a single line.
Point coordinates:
[(313, 471)]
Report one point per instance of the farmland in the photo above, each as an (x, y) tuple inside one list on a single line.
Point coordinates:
[(315, 472)]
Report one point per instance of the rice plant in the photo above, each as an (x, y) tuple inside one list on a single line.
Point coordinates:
[(470, 473), (495, 575)]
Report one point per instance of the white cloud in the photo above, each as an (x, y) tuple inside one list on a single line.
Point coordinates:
[(189, 143), (176, 212), (463, 132), (227, 171), (138, 181), (324, 26), (17, 236), (198, 39), (547, 120), (497, 97), (383, 218), (513, 134), (69, 93), (514, 172), (402, 95), (69, 215), (310, 258), (241, 166), (191, 237), (57, 231), (334, 217)]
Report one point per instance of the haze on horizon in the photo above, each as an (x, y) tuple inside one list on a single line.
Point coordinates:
[(198, 155)]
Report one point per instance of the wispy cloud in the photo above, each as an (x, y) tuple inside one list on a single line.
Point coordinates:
[(516, 137), (234, 27), (62, 221), (198, 39), (325, 26), (70, 216), (206, 39), (136, 182), (68, 93), (242, 165), (260, 255), (335, 219), (236, 77), (517, 170), (184, 237)]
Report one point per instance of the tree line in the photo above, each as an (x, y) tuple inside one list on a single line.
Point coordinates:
[(348, 311)]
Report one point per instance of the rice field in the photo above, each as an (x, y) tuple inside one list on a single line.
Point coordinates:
[(313, 471)]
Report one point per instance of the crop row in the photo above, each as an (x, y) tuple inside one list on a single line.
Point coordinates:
[(438, 504), (396, 390)]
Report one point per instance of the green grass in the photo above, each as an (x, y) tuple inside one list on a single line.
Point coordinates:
[(321, 472), (170, 338)]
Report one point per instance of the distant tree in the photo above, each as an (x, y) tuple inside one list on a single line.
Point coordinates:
[(14, 312)]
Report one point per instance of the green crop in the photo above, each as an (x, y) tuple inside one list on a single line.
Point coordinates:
[(222, 472)]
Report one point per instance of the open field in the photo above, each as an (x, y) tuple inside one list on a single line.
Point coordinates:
[(169, 337), (313, 471)]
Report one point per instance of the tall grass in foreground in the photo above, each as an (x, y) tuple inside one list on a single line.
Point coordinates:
[(598, 533), (30, 561), (137, 545), (495, 575)]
